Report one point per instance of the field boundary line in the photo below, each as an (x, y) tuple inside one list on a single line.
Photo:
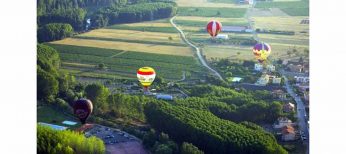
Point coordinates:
[(118, 54)]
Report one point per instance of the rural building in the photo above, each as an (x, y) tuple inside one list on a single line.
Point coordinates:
[(280, 94), (296, 68), (245, 2), (271, 68), (235, 28), (164, 97), (301, 79), (222, 36), (276, 80), (236, 79), (258, 67), (55, 127), (288, 133), (288, 107), (263, 80), (281, 122)]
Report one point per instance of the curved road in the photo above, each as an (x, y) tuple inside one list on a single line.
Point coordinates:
[(200, 57)]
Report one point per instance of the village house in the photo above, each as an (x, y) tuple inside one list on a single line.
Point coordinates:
[(222, 36), (276, 80), (258, 67), (295, 68), (263, 80), (270, 68), (279, 94), (288, 133), (236, 29), (281, 122), (302, 79), (288, 107)]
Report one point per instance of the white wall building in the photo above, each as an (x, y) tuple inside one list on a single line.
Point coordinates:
[(281, 122), (222, 36), (258, 67), (276, 80), (271, 68), (301, 79)]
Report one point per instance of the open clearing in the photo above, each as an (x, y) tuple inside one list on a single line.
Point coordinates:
[(148, 48), (205, 3), (134, 35), (281, 23)]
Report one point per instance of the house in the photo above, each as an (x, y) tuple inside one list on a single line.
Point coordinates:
[(258, 67), (288, 107), (280, 94), (288, 133), (164, 97), (301, 79), (235, 29), (276, 80), (222, 36), (270, 68), (295, 68), (236, 79), (281, 122), (263, 80)]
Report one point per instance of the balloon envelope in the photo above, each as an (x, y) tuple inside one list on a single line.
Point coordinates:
[(214, 28), (261, 51), (82, 108), (146, 76)]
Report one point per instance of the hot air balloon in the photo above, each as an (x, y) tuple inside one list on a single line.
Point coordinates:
[(82, 108), (146, 76), (214, 28), (261, 51)]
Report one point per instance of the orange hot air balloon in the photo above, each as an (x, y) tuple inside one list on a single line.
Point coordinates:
[(214, 28)]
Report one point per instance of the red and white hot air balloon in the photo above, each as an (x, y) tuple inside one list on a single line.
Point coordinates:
[(214, 28)]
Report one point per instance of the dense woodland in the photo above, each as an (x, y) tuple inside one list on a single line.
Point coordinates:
[(100, 12), (66, 142), (208, 132)]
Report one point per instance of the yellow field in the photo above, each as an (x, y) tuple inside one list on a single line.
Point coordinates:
[(149, 48), (152, 24), (205, 3), (207, 19), (134, 35), (281, 23)]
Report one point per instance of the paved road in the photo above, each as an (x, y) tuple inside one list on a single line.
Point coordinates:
[(300, 110), (198, 52)]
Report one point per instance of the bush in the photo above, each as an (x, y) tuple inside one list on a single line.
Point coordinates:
[(54, 31)]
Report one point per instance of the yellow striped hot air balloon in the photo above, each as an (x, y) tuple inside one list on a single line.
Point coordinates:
[(146, 76)]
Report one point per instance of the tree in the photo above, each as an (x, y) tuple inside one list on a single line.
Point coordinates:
[(101, 66), (188, 148), (97, 93), (306, 52), (289, 53), (163, 149), (218, 13), (54, 31), (47, 85), (170, 38)]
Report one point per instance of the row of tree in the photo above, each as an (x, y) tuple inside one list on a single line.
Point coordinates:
[(237, 106), (208, 132), (66, 142)]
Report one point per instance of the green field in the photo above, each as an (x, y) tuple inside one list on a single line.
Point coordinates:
[(123, 65), (292, 8), (145, 28), (50, 115), (283, 4), (212, 12)]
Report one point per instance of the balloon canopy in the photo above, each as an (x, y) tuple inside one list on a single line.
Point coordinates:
[(261, 51), (146, 76), (214, 28), (82, 108)]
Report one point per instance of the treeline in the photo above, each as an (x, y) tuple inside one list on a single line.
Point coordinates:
[(236, 106), (208, 132), (133, 13), (54, 31), (66, 142), (100, 12)]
